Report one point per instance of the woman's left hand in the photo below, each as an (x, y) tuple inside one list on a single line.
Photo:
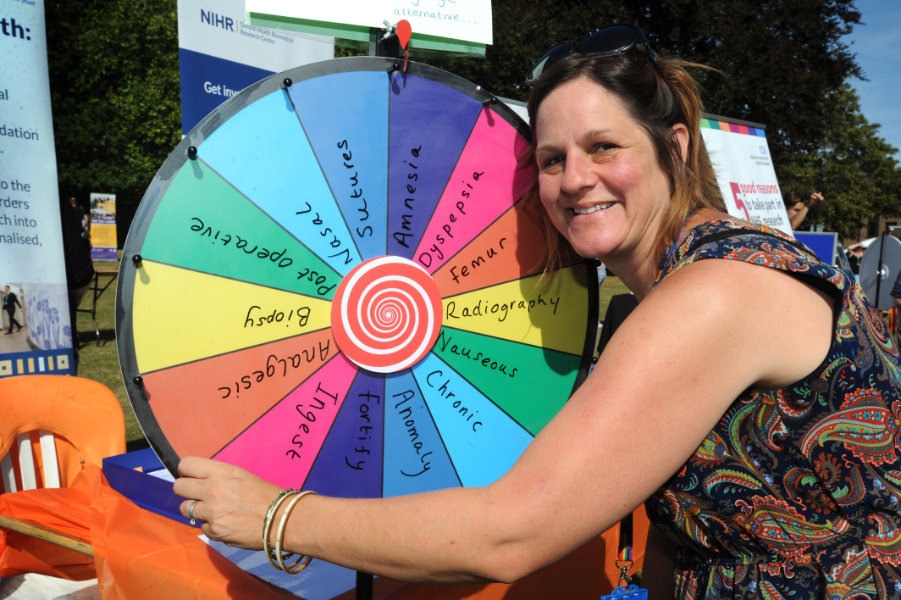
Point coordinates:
[(230, 501)]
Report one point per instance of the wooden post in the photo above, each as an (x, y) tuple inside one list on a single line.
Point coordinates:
[(48, 535)]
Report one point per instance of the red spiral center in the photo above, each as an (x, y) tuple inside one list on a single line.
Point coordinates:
[(386, 314)]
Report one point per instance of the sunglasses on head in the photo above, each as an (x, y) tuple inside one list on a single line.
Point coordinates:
[(606, 41)]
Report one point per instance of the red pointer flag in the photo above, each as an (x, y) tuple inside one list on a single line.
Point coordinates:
[(404, 31)]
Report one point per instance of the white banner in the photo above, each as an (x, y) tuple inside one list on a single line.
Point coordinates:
[(744, 171), (468, 20), (31, 249), (220, 54)]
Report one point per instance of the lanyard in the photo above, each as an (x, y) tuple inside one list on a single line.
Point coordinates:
[(624, 555), (625, 590)]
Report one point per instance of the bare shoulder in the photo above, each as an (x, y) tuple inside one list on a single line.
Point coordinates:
[(775, 320)]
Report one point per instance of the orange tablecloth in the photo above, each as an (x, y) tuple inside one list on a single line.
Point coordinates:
[(140, 555)]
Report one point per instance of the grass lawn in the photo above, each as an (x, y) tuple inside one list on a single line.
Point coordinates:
[(100, 359)]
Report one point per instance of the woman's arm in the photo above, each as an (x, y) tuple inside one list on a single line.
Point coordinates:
[(706, 334)]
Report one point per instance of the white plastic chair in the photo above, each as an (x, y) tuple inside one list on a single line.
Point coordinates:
[(26, 464)]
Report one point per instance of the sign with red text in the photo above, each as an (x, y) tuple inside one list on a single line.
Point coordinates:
[(744, 171)]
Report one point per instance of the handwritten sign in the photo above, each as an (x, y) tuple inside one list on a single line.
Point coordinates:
[(446, 222), (277, 366), (498, 309), (464, 20), (361, 449), (403, 230), (404, 410)]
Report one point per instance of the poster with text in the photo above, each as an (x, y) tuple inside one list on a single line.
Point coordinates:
[(457, 26), (36, 334), (744, 171), (104, 243), (220, 54)]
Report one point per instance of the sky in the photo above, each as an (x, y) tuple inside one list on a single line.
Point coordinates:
[(877, 44)]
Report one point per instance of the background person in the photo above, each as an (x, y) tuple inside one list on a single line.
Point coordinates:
[(10, 302), (734, 419), (855, 255), (79, 266), (798, 207), (81, 217)]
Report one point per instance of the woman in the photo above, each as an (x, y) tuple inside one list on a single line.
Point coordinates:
[(764, 440)]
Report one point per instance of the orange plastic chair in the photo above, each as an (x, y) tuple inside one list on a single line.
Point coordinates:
[(52, 426)]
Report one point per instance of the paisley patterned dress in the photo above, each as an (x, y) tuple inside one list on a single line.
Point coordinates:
[(796, 493)]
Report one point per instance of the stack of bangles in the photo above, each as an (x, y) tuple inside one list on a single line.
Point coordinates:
[(277, 556)]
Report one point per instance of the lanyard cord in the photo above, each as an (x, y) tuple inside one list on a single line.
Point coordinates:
[(624, 556)]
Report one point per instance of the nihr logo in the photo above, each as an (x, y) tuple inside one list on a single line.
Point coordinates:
[(216, 20)]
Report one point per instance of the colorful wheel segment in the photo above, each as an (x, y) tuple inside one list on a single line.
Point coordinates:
[(334, 282)]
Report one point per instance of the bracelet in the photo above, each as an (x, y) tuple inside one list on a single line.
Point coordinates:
[(267, 521), (302, 561)]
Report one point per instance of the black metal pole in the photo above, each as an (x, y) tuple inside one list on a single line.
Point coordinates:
[(879, 270), (364, 586)]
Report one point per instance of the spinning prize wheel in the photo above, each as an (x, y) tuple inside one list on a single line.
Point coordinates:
[(333, 283)]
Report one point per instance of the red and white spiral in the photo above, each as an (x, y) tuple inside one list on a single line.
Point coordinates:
[(386, 314)]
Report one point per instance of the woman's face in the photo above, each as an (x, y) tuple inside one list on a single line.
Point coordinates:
[(598, 175)]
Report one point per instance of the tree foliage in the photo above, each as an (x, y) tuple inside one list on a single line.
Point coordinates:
[(854, 164), (114, 84), (779, 63)]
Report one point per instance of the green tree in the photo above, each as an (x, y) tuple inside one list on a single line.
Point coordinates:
[(780, 63), (854, 167), (114, 84)]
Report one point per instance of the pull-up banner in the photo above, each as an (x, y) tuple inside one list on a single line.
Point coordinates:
[(35, 305), (744, 171), (220, 54)]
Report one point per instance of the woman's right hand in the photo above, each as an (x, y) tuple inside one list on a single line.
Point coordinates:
[(230, 501)]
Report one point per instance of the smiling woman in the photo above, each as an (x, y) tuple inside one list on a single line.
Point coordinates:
[(644, 144), (599, 179), (737, 424)]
